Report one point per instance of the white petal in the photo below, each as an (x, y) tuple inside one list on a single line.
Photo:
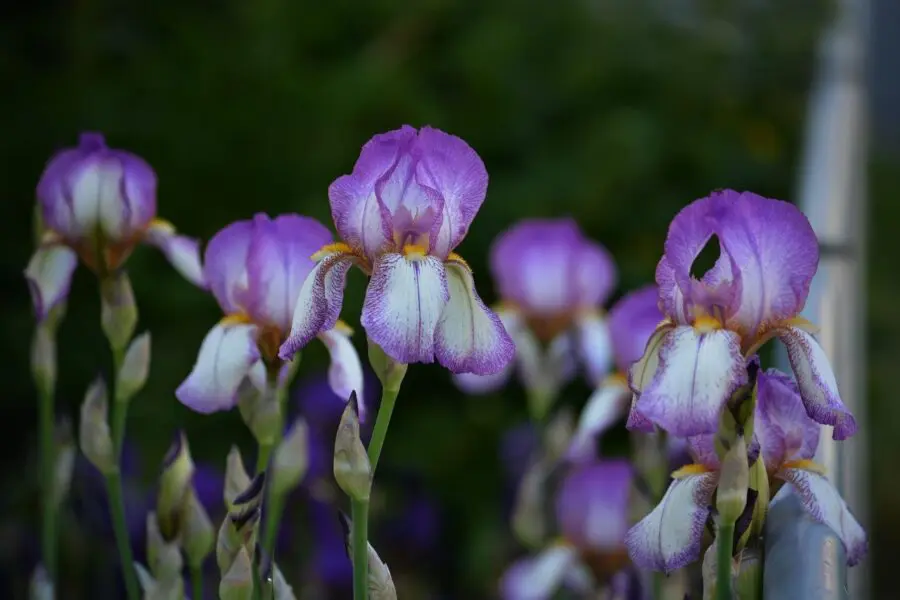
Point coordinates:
[(605, 406), (538, 577), (183, 252), (345, 375), (49, 275), (594, 346), (97, 199), (545, 372), (483, 384), (226, 356)]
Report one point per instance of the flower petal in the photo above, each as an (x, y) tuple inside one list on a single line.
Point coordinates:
[(592, 505), (824, 504), (404, 301), (538, 577), (183, 252), (594, 346), (545, 372), (641, 374), (470, 338), (782, 427), (605, 406), (49, 276), (697, 373), (484, 384), (318, 304), (632, 322), (670, 536), (226, 356), (345, 375), (225, 265), (818, 387)]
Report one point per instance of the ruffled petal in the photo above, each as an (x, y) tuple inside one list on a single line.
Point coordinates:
[(632, 322), (345, 375), (592, 505), (594, 346), (484, 384), (404, 301), (470, 337), (183, 252), (225, 265), (49, 277), (698, 372), (818, 387), (603, 409), (782, 427), (824, 504), (538, 577), (226, 356), (670, 536)]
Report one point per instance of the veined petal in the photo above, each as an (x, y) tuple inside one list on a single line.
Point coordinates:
[(226, 356), (592, 505), (698, 372), (538, 577), (470, 338), (825, 505), (594, 346), (818, 387), (670, 536), (784, 431), (605, 406), (345, 375), (225, 265), (641, 374), (636, 421), (49, 276), (404, 301), (483, 384), (319, 302), (183, 252)]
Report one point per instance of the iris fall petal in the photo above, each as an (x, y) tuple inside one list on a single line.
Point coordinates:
[(538, 577), (183, 252)]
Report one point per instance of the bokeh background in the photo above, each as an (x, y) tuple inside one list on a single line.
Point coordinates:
[(614, 112)]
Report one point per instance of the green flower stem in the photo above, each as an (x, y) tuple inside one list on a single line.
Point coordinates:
[(274, 510), (388, 399), (724, 545), (197, 582), (46, 420), (117, 507), (359, 542)]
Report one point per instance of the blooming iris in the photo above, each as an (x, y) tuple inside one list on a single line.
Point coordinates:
[(670, 536), (754, 292), (97, 203), (255, 269), (407, 204), (552, 282)]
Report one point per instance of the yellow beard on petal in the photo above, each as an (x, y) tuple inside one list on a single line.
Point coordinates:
[(689, 470)]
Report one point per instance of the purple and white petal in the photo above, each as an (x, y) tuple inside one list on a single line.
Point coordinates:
[(225, 266), (592, 505), (698, 371), (410, 210), (595, 346), (818, 387), (824, 504), (632, 322), (470, 337), (702, 449), (226, 356), (603, 409), (345, 375), (485, 384), (538, 577), (181, 251), (49, 277), (641, 374), (784, 430), (671, 535)]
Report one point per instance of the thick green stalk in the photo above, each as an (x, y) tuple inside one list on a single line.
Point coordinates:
[(48, 480), (388, 399), (117, 508), (274, 510), (197, 582), (359, 546), (724, 545)]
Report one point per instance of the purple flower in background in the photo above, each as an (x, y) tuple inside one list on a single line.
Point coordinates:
[(592, 511), (97, 203), (255, 269), (754, 292), (401, 213), (552, 282)]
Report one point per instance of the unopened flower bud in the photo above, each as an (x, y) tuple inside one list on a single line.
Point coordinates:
[(65, 462), (198, 535), (43, 358), (748, 581), (283, 590), (528, 522), (381, 584), (734, 479), (163, 557), (119, 313), (390, 372), (558, 433), (291, 459), (94, 438), (352, 470), (708, 572), (237, 581), (135, 368), (261, 412), (251, 497), (148, 583), (236, 478), (759, 482), (240, 527), (174, 485)]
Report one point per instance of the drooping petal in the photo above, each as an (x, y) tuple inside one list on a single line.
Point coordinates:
[(594, 346), (484, 384), (470, 337), (603, 409), (782, 427), (225, 265), (632, 322), (538, 577), (641, 374), (345, 375), (226, 356), (670, 536), (818, 387), (592, 505), (824, 504), (318, 304), (49, 276), (698, 372), (183, 252), (404, 301)]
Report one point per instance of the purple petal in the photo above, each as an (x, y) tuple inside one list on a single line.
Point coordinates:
[(595, 346), (671, 535), (182, 252), (404, 302), (592, 505), (345, 374), (470, 338), (225, 265), (782, 427), (484, 384), (818, 387), (538, 577), (49, 277), (603, 409), (632, 321), (702, 449)]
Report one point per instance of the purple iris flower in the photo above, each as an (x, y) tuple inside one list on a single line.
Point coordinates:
[(97, 204), (255, 269), (670, 536), (754, 292), (592, 509), (553, 283), (402, 211)]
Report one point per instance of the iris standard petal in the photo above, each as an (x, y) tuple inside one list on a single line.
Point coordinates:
[(824, 504), (603, 409), (49, 276), (782, 427), (670, 536), (818, 387), (538, 577), (592, 505), (226, 356), (698, 371), (595, 348), (404, 301), (345, 375), (632, 320), (225, 265), (484, 384), (181, 251)]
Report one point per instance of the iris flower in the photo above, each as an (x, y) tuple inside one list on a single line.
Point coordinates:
[(402, 211)]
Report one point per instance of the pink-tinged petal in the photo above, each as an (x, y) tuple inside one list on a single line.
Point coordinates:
[(49, 276), (603, 409), (592, 505), (698, 372), (345, 375), (181, 251), (632, 322), (782, 427), (538, 577), (594, 346), (404, 302), (484, 384), (777, 253), (670, 537), (470, 337), (225, 265), (824, 504), (818, 387), (318, 304), (226, 356)]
